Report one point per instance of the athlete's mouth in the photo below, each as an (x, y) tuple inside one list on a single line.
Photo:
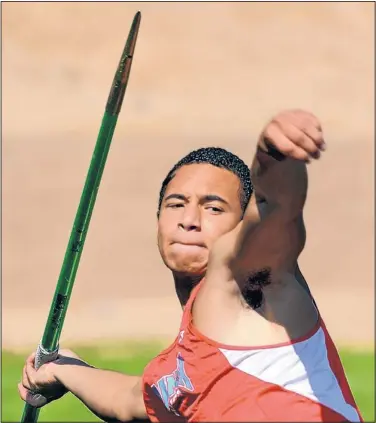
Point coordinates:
[(190, 244)]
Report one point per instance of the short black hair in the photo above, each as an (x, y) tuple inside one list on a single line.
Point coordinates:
[(218, 157)]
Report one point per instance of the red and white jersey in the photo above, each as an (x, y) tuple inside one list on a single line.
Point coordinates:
[(197, 379)]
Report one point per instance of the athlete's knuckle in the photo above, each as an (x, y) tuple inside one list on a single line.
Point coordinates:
[(299, 138), (288, 149), (318, 137), (311, 147), (305, 156), (270, 129)]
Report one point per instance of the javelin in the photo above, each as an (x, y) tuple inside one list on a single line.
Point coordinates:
[(49, 346)]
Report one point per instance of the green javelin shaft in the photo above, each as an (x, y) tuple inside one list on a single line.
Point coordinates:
[(47, 350)]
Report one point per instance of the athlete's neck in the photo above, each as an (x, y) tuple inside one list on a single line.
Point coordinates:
[(184, 285)]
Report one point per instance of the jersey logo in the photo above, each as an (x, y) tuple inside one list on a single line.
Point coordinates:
[(171, 388)]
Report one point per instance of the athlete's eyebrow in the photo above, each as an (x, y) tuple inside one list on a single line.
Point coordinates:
[(213, 197), (176, 196), (205, 199)]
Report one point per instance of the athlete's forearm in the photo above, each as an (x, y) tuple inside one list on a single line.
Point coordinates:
[(109, 395), (279, 181)]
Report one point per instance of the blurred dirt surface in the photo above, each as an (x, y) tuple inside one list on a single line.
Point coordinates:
[(204, 74)]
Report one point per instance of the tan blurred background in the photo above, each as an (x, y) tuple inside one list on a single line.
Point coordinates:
[(204, 74)]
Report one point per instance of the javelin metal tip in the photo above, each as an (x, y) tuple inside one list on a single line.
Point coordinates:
[(137, 17), (131, 42), (119, 84)]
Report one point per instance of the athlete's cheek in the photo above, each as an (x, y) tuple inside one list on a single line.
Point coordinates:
[(214, 227)]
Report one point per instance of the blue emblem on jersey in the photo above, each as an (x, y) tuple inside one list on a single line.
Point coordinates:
[(169, 387)]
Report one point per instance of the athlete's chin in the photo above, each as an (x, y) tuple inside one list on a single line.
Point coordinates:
[(192, 270), (194, 266)]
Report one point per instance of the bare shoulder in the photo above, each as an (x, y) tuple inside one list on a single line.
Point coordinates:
[(241, 314), (255, 289)]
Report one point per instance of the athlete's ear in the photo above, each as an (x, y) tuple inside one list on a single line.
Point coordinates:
[(157, 226)]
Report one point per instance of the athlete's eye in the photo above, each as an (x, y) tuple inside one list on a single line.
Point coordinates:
[(175, 205), (215, 210)]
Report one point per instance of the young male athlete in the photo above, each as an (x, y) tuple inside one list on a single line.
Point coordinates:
[(252, 345)]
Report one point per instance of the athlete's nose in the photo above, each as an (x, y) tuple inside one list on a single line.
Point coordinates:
[(190, 219)]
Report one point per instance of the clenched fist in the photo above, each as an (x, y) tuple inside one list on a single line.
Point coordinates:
[(293, 133), (39, 387)]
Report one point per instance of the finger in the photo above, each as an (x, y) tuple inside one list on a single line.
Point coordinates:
[(31, 360), (307, 118), (316, 136), (25, 379), (22, 391), (299, 138), (30, 374), (300, 154), (310, 125), (283, 144)]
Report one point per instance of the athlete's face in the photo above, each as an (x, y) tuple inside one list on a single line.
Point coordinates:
[(200, 204)]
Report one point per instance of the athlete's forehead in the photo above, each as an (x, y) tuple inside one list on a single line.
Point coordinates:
[(203, 179)]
